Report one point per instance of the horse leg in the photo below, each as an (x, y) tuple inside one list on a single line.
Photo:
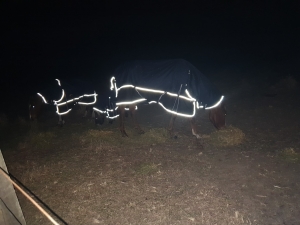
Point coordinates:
[(85, 111), (134, 118), (93, 114), (98, 117), (194, 127), (61, 121), (171, 126), (122, 121)]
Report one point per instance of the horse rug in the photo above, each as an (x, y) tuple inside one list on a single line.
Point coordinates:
[(176, 85)]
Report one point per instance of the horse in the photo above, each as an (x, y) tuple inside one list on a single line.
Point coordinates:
[(176, 85), (104, 109), (64, 98), (36, 107), (39, 103)]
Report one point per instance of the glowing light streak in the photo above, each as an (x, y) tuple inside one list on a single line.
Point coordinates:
[(62, 113), (130, 103), (89, 95), (43, 98), (58, 81), (88, 103), (113, 85), (189, 98), (106, 112), (113, 117), (77, 99), (59, 102), (65, 103), (61, 98), (180, 114), (127, 109), (125, 86), (112, 81), (116, 90), (181, 96), (74, 100), (100, 111), (188, 94), (199, 106), (150, 90), (215, 105)]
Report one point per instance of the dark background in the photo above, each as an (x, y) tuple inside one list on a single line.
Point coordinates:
[(41, 40)]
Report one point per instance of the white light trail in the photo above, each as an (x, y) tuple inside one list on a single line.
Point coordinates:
[(77, 99), (218, 103), (188, 97), (58, 81), (132, 102), (181, 96), (112, 81), (100, 111), (62, 113), (180, 114), (61, 98), (88, 103), (113, 117), (199, 106), (125, 86), (150, 90), (43, 98), (188, 94)]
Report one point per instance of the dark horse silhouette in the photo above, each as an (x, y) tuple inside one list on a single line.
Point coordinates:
[(62, 98), (176, 85)]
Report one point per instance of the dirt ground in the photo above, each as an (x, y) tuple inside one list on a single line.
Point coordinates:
[(89, 174)]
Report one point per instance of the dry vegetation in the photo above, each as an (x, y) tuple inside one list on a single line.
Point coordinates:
[(290, 155), (230, 136)]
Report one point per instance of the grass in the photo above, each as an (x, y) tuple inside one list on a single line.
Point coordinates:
[(289, 155), (114, 138), (147, 169), (231, 136), (39, 140)]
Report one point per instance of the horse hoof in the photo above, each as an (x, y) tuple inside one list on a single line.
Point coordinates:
[(198, 136)]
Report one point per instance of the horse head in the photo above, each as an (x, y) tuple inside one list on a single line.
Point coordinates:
[(217, 116), (36, 105)]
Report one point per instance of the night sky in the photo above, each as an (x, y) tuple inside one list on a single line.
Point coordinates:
[(42, 41)]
